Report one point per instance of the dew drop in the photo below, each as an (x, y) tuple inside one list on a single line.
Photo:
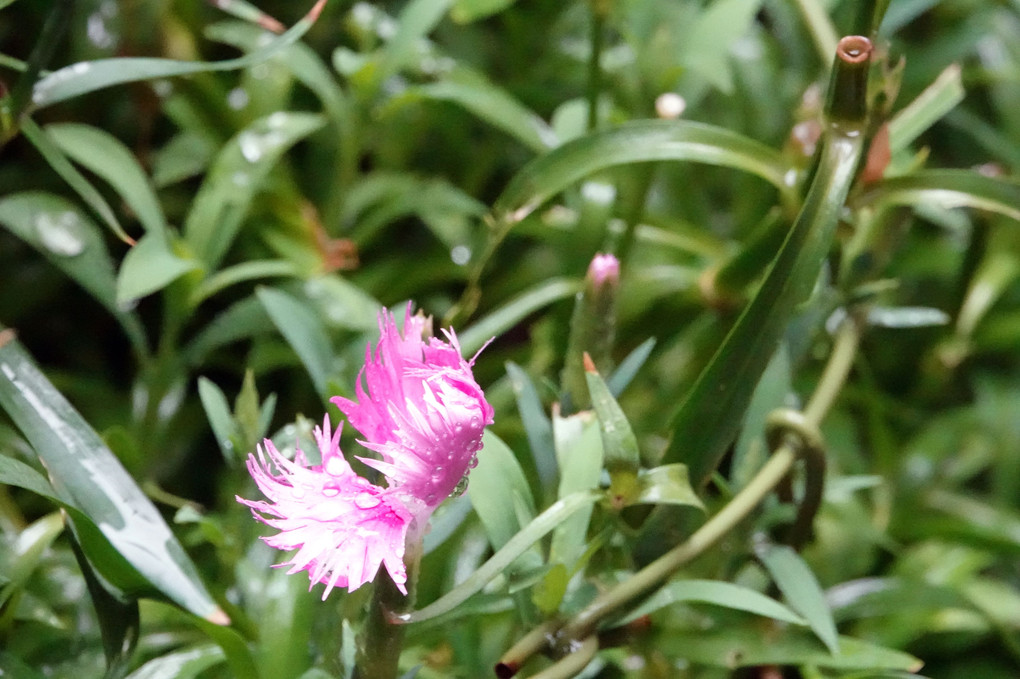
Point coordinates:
[(61, 234), (335, 466), (473, 462), (251, 146), (366, 500), (459, 489), (297, 491), (237, 98), (97, 32), (240, 179), (460, 254), (430, 498), (331, 490)]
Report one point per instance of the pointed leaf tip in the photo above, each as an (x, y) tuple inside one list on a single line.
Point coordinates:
[(218, 617), (589, 365)]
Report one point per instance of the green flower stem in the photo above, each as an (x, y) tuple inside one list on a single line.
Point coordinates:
[(570, 665), (379, 651), (531, 643), (598, 20), (655, 574)]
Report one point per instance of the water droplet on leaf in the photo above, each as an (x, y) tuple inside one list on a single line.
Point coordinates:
[(62, 234)]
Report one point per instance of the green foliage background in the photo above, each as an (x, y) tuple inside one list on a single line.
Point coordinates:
[(473, 156)]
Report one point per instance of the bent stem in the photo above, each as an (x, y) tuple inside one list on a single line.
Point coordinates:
[(379, 650), (654, 575)]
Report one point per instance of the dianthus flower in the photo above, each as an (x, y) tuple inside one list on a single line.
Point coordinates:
[(424, 414)]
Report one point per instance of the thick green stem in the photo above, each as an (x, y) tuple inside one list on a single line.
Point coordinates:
[(379, 651)]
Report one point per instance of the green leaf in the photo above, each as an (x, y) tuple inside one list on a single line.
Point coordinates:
[(537, 426), (495, 486), (149, 267), (416, 20), (733, 647), (928, 108), (73, 243), (798, 584), (629, 367), (579, 456), (716, 593), (23, 554), (710, 415), (240, 273), (634, 142), (300, 59), (119, 621), (89, 76), (512, 312), (186, 663), (710, 40), (84, 470), (217, 411), (668, 484), (466, 11), (619, 445), (105, 155), (491, 104), (236, 175), (75, 179), (304, 332), (946, 189), (511, 551)]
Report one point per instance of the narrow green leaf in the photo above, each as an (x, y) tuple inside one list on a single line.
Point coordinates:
[(497, 484), (579, 456), (710, 415), (746, 646), (236, 175), (83, 469), (300, 59), (72, 242), (23, 553), (634, 142), (629, 367), (240, 273), (716, 593), (186, 663), (514, 548), (493, 105), (75, 179), (119, 620), (619, 445), (149, 267), (416, 20), (115, 569), (108, 157), (466, 11), (929, 107), (303, 331), (669, 485), (707, 51), (946, 189), (512, 312), (537, 426), (89, 76), (800, 587), (242, 320), (217, 411)]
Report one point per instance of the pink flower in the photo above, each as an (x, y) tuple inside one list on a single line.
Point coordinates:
[(424, 414)]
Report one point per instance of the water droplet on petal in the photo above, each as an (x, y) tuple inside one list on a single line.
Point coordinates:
[(62, 234), (331, 490), (297, 491), (335, 466), (459, 489), (366, 500), (473, 462)]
